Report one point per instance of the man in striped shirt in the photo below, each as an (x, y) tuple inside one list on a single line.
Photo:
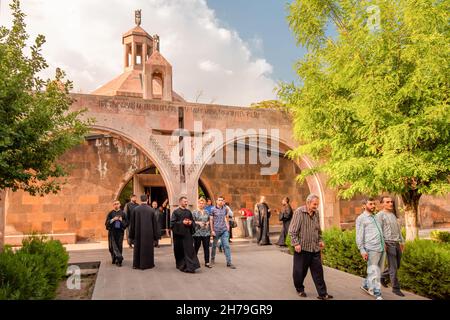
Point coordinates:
[(306, 238)]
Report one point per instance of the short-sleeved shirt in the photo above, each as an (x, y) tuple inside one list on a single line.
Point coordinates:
[(247, 212), (219, 215)]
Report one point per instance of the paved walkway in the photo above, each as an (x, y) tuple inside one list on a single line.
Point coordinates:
[(263, 273)]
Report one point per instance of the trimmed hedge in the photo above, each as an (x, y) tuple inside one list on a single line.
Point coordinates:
[(34, 271), (425, 268), (341, 252), (441, 236)]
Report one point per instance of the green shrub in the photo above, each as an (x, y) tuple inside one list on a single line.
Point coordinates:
[(341, 252), (54, 255), (441, 236), (288, 243), (425, 268), (34, 271)]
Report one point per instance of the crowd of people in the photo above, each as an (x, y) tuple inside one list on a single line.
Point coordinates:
[(377, 235)]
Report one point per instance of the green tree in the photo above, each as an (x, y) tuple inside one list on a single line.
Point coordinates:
[(372, 103), (36, 124)]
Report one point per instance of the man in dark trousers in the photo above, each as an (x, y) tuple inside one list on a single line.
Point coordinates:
[(129, 207), (306, 238), (115, 223), (183, 227), (394, 242), (143, 233)]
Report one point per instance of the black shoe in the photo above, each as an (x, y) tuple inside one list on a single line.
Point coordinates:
[(398, 292), (383, 282), (119, 263), (301, 294), (231, 266), (325, 297)]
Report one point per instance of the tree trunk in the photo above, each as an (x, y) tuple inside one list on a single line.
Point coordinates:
[(411, 202), (2, 218)]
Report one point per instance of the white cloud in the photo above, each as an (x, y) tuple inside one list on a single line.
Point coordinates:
[(84, 38)]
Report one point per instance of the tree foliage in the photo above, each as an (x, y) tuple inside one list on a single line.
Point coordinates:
[(36, 124), (373, 100), (375, 103)]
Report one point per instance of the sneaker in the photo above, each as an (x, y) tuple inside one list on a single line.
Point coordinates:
[(231, 266), (366, 290), (302, 294), (378, 297), (208, 265), (398, 292)]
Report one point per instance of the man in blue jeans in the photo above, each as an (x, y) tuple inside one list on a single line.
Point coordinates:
[(220, 229)]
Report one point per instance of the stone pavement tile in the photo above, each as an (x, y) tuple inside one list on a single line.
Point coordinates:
[(263, 273)]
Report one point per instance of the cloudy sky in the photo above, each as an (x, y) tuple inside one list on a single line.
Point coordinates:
[(228, 52)]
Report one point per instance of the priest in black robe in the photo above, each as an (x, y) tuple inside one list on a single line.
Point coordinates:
[(144, 233), (262, 215), (285, 217), (116, 223), (183, 227)]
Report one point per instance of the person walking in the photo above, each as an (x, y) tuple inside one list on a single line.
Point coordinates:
[(116, 223), (219, 222), (144, 233), (285, 217), (306, 238), (202, 233), (394, 243), (370, 242), (183, 227)]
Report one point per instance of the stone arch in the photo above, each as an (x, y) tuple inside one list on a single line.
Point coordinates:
[(314, 182), (147, 153)]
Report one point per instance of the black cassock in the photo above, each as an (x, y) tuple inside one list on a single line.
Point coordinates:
[(115, 234), (285, 217), (262, 213), (144, 233), (183, 242)]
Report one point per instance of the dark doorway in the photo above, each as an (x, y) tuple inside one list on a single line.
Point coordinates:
[(158, 194)]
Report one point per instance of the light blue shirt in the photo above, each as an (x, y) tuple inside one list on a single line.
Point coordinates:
[(369, 235)]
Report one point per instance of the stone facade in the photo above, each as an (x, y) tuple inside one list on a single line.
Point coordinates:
[(131, 132), (99, 169)]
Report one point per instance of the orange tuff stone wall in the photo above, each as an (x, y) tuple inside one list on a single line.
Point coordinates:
[(243, 184), (99, 168)]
